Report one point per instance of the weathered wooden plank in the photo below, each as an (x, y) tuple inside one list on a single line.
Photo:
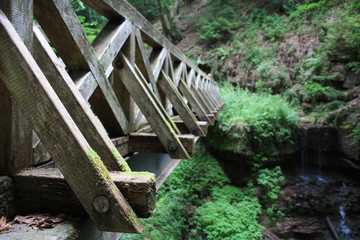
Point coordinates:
[(140, 93), (158, 62), (201, 100), (194, 103), (142, 61), (110, 40), (179, 73), (15, 133), (60, 135), (121, 8), (156, 101), (45, 189), (120, 90), (122, 144), (181, 108), (76, 105), (207, 100), (65, 32), (85, 83), (150, 143), (184, 130)]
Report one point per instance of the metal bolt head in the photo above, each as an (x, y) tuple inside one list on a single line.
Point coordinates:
[(172, 147), (101, 204)]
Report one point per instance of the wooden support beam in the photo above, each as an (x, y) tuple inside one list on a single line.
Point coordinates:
[(181, 108), (194, 103), (157, 63), (65, 32), (113, 9), (150, 143), (45, 189), (15, 133), (76, 105), (201, 100), (184, 130), (142, 61), (82, 167), (141, 94), (151, 93)]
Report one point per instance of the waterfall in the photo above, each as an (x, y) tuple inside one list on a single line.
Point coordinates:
[(343, 228)]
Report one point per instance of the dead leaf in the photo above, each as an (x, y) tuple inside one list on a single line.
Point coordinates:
[(4, 225), (38, 221)]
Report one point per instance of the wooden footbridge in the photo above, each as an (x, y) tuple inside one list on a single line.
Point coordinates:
[(88, 105)]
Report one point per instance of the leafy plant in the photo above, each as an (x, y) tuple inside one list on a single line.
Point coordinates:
[(219, 21), (257, 125), (270, 180)]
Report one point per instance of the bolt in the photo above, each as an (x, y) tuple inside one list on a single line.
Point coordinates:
[(172, 147), (101, 204), (119, 64)]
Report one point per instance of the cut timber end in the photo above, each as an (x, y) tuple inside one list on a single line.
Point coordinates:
[(47, 190)]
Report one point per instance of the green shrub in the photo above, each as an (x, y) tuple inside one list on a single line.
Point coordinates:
[(190, 182), (233, 213), (254, 124), (316, 92), (270, 180), (220, 19)]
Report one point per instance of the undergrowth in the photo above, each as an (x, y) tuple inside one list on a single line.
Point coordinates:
[(258, 125), (197, 202)]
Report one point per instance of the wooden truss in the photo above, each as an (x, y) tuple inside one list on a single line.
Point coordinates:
[(90, 104)]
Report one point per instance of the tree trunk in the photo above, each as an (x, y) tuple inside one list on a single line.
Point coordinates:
[(162, 19)]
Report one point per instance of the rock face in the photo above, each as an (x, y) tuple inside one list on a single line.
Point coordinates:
[(309, 198), (329, 146), (6, 196)]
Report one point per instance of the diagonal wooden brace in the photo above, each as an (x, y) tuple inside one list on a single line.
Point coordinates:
[(140, 92), (182, 109), (80, 165)]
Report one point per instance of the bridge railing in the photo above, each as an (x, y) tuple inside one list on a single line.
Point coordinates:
[(130, 90)]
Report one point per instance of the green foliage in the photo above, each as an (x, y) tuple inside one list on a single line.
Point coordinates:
[(270, 180), (257, 123), (148, 8), (316, 92), (220, 20), (91, 21), (190, 182), (231, 215), (355, 134)]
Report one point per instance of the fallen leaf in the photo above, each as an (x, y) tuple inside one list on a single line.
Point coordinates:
[(38, 221), (4, 225)]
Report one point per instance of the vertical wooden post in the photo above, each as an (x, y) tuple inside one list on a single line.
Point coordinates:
[(15, 131)]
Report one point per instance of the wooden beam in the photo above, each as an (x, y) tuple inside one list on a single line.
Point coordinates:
[(180, 106), (65, 32), (141, 95), (45, 189), (157, 102), (184, 130), (201, 100), (121, 8), (82, 167), (15, 133), (110, 40), (158, 63), (194, 103), (76, 105), (150, 143), (142, 61)]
